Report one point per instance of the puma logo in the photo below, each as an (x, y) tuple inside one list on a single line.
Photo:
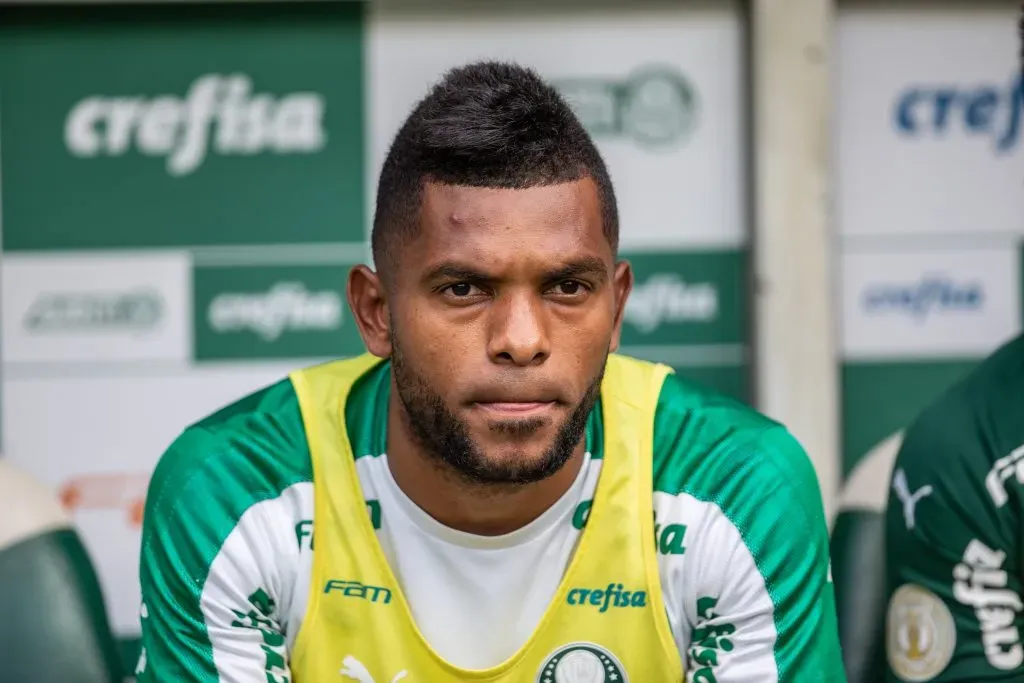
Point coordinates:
[(909, 500), (353, 669)]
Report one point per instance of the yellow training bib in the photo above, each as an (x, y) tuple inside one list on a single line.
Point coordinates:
[(606, 622)]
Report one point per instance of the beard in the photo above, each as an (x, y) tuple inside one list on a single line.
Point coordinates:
[(446, 438)]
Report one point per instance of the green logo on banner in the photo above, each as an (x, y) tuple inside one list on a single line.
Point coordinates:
[(685, 298), (655, 106), (221, 112), (273, 312)]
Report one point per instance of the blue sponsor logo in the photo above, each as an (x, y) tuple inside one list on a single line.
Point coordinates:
[(982, 110), (932, 294)]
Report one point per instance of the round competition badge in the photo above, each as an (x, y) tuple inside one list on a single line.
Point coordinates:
[(920, 634)]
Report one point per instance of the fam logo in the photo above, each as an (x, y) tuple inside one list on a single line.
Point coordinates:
[(989, 111), (937, 294), (218, 111), (355, 589), (655, 106), (133, 310), (581, 663)]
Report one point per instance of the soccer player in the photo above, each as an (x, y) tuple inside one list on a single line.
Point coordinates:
[(954, 532), (955, 529), (491, 493)]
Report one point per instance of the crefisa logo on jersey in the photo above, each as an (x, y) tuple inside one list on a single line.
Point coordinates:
[(989, 111), (933, 293), (581, 663)]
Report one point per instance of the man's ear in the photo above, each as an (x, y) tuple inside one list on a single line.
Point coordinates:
[(368, 301), (622, 285)]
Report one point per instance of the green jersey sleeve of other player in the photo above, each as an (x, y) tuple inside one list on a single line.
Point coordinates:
[(953, 532)]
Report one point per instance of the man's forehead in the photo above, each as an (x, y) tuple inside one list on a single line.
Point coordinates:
[(461, 212)]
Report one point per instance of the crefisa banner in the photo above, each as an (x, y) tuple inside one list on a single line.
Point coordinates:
[(930, 205)]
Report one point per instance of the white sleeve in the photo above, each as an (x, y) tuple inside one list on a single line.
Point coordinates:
[(248, 595), (720, 612), (757, 594), (729, 609)]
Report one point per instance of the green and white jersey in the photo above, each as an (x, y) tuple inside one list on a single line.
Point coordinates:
[(953, 530), (227, 546)]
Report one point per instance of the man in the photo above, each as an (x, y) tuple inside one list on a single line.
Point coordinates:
[(954, 546), (954, 531), (488, 494)]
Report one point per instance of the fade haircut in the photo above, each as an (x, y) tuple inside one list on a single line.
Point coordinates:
[(486, 124)]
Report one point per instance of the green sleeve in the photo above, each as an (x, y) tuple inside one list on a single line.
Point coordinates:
[(209, 611), (765, 604), (760, 598), (788, 535), (953, 559)]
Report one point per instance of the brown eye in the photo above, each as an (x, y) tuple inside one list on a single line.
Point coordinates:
[(570, 287), (461, 289)]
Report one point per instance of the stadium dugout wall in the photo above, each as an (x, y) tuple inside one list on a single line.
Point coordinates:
[(926, 207), (146, 282), (822, 206)]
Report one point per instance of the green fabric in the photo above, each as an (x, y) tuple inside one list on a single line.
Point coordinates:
[(858, 570), (55, 624), (961, 447), (722, 452), (217, 469)]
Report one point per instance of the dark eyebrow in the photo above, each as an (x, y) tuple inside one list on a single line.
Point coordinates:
[(454, 271), (589, 266)]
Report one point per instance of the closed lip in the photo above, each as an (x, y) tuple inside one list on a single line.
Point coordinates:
[(517, 408), (510, 396)]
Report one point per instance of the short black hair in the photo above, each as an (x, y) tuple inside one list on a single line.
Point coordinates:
[(486, 124)]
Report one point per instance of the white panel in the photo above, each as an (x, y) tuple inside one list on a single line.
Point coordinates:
[(688, 191)]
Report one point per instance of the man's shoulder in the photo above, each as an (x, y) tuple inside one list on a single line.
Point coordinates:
[(248, 451), (975, 419), (721, 451), (735, 477), (703, 435)]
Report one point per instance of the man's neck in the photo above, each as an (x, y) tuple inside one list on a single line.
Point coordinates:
[(483, 509)]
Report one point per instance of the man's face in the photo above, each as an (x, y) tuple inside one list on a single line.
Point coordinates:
[(502, 313)]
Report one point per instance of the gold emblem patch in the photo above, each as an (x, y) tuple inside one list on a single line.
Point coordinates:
[(919, 634)]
